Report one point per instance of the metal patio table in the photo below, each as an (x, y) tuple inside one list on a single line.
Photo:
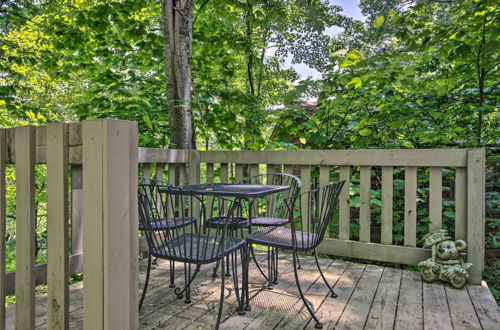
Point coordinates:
[(249, 192)]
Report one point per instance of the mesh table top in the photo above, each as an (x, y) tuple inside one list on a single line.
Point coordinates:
[(230, 190)]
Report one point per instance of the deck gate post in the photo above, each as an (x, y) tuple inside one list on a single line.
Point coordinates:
[(475, 212), (110, 240)]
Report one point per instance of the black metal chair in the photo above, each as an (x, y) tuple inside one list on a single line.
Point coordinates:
[(266, 212), (150, 188), (304, 235), (193, 244)]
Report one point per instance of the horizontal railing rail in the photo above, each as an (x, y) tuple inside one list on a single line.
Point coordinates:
[(381, 211), (363, 169)]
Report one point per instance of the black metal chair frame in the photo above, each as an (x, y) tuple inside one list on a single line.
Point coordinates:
[(320, 206), (276, 215), (192, 244), (149, 187)]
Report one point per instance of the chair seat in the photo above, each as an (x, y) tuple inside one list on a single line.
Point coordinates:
[(219, 222), (282, 238), (169, 223), (242, 222), (196, 248), (267, 221)]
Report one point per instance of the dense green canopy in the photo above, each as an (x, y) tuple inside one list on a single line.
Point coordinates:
[(415, 74)]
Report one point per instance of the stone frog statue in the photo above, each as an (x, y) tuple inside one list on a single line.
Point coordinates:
[(445, 263)]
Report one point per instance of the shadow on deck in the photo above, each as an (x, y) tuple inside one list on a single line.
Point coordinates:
[(369, 296)]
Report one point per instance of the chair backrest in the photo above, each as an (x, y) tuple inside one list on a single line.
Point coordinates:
[(159, 205), (318, 209), (274, 205)]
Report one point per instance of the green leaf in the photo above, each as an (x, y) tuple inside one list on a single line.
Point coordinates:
[(356, 81), (379, 21), (365, 132)]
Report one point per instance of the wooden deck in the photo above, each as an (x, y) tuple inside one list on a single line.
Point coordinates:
[(369, 297)]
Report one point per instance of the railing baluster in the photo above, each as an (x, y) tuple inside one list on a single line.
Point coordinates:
[(160, 167), (146, 172), (410, 218), (210, 179), (364, 200), (3, 193), (344, 208), (254, 169), (435, 198), (57, 227), (25, 227), (387, 202), (324, 175), (305, 177), (224, 178), (461, 203), (224, 173), (238, 175)]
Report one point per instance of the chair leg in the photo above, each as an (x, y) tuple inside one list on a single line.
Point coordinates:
[(333, 294), (172, 274), (146, 282), (246, 262), (221, 300), (318, 325), (227, 267), (234, 266), (251, 255), (275, 278), (188, 279)]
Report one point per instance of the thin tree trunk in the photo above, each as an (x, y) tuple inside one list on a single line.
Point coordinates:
[(249, 33), (481, 75), (177, 33)]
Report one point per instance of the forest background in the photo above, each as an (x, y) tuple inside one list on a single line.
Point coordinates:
[(413, 74)]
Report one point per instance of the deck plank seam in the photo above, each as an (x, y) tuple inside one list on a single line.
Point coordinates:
[(448, 306), (309, 262), (474, 307), (328, 293), (397, 304), (373, 299), (299, 301), (347, 301)]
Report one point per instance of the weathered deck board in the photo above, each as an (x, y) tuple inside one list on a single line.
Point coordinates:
[(369, 297), (409, 313), (383, 309), (436, 312), (315, 295), (332, 309), (485, 306), (358, 307), (462, 312)]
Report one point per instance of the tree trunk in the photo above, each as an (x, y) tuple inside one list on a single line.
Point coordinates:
[(177, 34)]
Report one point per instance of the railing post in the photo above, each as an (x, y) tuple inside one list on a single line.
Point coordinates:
[(25, 227), (110, 241), (194, 167), (76, 209), (475, 212), (57, 226)]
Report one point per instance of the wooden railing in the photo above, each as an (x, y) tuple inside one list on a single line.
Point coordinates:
[(105, 153), (106, 162), (317, 168)]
